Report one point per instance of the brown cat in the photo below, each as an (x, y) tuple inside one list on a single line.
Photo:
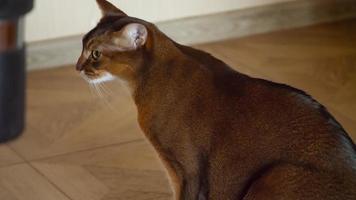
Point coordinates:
[(222, 135)]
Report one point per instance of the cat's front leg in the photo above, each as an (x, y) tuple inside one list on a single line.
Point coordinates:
[(185, 187), (184, 178), (175, 180), (192, 189)]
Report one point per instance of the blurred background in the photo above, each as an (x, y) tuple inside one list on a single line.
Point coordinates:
[(64, 18), (85, 144)]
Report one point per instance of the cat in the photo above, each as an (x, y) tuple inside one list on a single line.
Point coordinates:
[(221, 135)]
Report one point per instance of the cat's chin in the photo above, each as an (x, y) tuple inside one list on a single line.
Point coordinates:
[(97, 79)]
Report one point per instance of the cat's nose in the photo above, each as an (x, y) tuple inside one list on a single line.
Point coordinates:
[(79, 67), (80, 63)]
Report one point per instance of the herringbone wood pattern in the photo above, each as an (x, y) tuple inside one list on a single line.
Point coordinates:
[(76, 147)]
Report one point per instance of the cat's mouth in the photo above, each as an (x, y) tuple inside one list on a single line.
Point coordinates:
[(97, 77), (91, 75)]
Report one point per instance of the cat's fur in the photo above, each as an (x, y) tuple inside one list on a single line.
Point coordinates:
[(222, 135)]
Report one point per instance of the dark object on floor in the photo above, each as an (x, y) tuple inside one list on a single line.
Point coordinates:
[(12, 67)]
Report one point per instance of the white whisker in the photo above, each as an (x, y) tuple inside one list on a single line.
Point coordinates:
[(92, 92), (97, 86), (83, 76), (98, 90), (105, 100), (106, 89)]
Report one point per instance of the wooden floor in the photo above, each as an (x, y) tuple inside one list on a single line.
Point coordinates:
[(76, 147)]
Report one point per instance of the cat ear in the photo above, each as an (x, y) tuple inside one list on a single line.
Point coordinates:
[(109, 9), (131, 37)]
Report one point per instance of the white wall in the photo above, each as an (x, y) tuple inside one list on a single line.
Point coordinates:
[(61, 18)]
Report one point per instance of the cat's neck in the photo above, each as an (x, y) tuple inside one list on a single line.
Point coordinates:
[(162, 58), (164, 77)]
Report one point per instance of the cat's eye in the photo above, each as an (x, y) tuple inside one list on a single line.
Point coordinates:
[(95, 54)]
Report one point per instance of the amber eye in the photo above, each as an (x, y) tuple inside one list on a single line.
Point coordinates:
[(95, 54)]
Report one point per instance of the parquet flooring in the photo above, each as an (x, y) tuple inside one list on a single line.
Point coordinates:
[(76, 147)]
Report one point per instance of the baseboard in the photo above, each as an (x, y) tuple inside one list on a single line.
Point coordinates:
[(211, 28)]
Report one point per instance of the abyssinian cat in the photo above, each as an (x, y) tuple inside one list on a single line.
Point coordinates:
[(222, 135)]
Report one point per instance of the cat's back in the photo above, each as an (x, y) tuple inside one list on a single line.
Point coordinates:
[(277, 114), (277, 130), (289, 112)]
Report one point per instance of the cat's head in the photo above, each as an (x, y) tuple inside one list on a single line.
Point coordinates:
[(114, 47)]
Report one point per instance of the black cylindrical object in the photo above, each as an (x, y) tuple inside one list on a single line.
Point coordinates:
[(12, 67)]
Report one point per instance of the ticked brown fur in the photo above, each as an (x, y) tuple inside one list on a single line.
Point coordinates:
[(222, 135)]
